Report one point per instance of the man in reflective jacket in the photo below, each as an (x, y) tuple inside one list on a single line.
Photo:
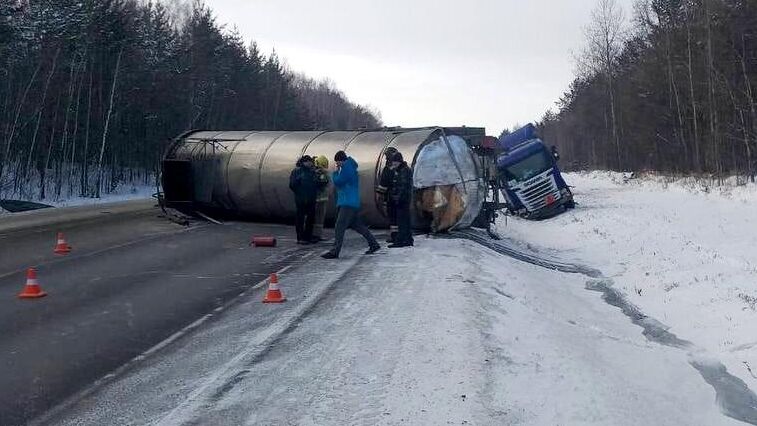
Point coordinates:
[(385, 181), (321, 172)]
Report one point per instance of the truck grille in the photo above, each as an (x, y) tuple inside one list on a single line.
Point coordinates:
[(534, 197)]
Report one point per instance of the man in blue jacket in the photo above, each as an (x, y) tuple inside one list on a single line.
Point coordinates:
[(347, 184)]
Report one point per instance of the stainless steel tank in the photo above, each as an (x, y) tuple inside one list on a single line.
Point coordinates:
[(247, 172)]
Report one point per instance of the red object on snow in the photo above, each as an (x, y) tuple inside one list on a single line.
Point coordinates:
[(263, 241)]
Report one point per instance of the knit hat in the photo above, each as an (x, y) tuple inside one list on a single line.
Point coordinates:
[(389, 152), (322, 162), (340, 156), (302, 160)]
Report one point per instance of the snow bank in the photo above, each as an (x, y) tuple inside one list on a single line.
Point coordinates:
[(732, 187), (134, 184), (683, 250), (122, 193)]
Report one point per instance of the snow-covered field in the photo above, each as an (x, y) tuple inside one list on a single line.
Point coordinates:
[(134, 184), (124, 192), (684, 252)]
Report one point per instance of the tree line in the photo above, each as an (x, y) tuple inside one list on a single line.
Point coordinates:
[(671, 89), (91, 91)]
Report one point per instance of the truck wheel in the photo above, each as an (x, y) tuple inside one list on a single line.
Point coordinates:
[(483, 220)]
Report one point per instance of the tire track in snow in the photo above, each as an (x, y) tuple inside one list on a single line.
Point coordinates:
[(733, 396)]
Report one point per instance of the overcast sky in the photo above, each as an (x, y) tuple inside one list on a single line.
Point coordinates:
[(489, 63)]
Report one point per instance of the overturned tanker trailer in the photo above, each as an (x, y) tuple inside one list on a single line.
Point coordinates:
[(246, 173)]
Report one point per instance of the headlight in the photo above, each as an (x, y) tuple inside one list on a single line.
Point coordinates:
[(565, 192)]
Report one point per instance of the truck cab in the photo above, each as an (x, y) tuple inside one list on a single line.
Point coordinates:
[(529, 177)]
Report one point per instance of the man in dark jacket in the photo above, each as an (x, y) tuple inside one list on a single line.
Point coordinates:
[(347, 184), (303, 181), (385, 181), (400, 198)]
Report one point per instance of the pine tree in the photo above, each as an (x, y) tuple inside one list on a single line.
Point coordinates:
[(91, 91)]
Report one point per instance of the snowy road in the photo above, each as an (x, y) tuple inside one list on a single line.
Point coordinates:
[(132, 280), (447, 333)]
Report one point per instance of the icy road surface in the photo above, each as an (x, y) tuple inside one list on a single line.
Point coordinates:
[(449, 332)]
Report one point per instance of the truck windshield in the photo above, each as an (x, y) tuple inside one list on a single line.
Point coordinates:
[(529, 166)]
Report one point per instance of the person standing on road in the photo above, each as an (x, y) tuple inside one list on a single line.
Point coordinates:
[(322, 176), (347, 184), (385, 181), (400, 198), (304, 183)]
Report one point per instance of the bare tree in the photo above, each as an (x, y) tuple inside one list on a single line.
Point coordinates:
[(692, 90), (107, 124), (40, 113), (6, 155), (605, 37), (682, 89), (711, 96)]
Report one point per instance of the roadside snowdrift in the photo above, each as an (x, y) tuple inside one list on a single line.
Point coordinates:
[(684, 251), (122, 193)]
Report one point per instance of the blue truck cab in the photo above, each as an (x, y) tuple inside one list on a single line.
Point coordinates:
[(529, 177)]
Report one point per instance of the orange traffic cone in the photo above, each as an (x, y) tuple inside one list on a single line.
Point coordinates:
[(274, 294), (62, 247), (32, 290)]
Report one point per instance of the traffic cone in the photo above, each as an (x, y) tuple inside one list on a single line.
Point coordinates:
[(32, 290), (62, 247), (274, 294)]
